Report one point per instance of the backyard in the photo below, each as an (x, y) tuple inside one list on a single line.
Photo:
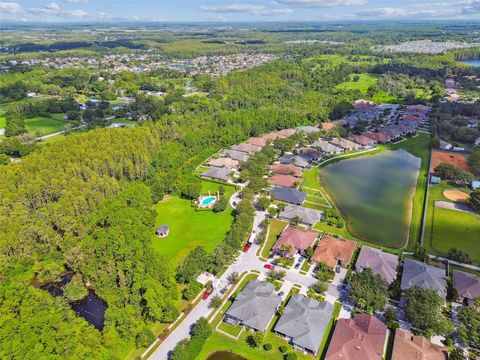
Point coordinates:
[(45, 125), (190, 228), (276, 227)]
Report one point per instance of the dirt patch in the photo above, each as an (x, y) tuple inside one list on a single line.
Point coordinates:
[(457, 160), (456, 195)]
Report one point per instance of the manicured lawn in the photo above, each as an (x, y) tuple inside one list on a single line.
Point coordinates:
[(190, 228), (276, 227), (229, 329), (362, 84), (2, 122), (456, 229), (46, 125)]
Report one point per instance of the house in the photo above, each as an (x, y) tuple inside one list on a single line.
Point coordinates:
[(288, 181), (293, 241), (467, 286), (224, 162), (378, 137), (308, 129), (217, 173), (363, 140), (162, 231), (255, 306), (304, 322), (286, 169), (236, 155), (345, 144), (435, 180), (445, 145), (326, 147), (381, 263), (475, 184), (360, 338), (286, 133), (328, 126), (418, 274), (310, 154), (307, 217), (257, 141), (333, 252), (361, 104), (270, 137), (288, 195), (246, 148), (295, 160), (407, 346)]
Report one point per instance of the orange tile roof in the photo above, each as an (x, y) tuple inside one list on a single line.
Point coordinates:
[(286, 169), (284, 180), (299, 240), (328, 126), (408, 346), (330, 251)]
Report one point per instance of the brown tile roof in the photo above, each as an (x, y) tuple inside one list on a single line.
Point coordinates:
[(257, 141), (362, 140), (286, 169), (328, 126), (284, 180), (270, 137), (299, 240), (224, 162), (330, 251), (286, 132), (361, 338), (247, 148), (410, 347), (379, 137)]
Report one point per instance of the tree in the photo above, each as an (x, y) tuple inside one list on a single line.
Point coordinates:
[(195, 262), (459, 255), (424, 311), (233, 278), (144, 338), (368, 290), (474, 201), (469, 326), (267, 347), (4, 159), (191, 290), (456, 354), (474, 162), (220, 205), (290, 356), (319, 286), (263, 203), (215, 302), (15, 125), (391, 318), (309, 252), (75, 290), (419, 252), (256, 338), (295, 220)]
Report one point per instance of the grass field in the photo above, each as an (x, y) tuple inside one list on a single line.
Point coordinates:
[(456, 229), (190, 228), (276, 227), (45, 125), (362, 84)]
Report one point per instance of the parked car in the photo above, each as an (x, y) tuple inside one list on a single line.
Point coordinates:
[(268, 266), (281, 293), (205, 295), (247, 247), (297, 265), (337, 269)]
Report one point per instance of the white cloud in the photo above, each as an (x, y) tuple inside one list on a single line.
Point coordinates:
[(256, 10), (321, 3), (10, 8), (53, 6), (75, 1), (419, 11), (471, 7), (73, 13), (54, 9)]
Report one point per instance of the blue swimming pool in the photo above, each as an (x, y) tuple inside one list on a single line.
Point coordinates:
[(208, 200)]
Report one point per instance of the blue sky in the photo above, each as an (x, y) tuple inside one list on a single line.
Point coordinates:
[(232, 11)]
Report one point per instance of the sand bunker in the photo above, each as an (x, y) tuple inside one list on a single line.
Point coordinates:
[(455, 195)]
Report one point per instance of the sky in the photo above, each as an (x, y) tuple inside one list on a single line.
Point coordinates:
[(236, 11)]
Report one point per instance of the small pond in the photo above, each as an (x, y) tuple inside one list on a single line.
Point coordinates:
[(475, 63), (224, 355), (91, 307), (374, 193)]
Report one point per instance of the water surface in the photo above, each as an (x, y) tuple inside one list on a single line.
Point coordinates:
[(471, 62), (374, 193)]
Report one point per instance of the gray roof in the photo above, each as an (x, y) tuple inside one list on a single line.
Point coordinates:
[(297, 160), (304, 320), (381, 263), (236, 155), (308, 216), (418, 274), (217, 173), (467, 285), (255, 305), (308, 129), (162, 228), (326, 147), (289, 195)]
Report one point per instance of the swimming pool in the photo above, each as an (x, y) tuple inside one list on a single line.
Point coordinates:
[(208, 200)]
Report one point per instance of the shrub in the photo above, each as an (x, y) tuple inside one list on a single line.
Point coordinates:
[(290, 356), (283, 349), (267, 347)]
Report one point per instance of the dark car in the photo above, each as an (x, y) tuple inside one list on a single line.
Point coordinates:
[(297, 265)]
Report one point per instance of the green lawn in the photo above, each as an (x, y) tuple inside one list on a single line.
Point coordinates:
[(229, 329), (46, 125), (453, 228), (276, 227), (2, 122), (362, 84), (190, 228)]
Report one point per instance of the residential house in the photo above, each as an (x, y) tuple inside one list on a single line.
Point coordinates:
[(295, 160), (163, 230), (360, 338), (445, 145), (224, 162), (217, 173), (333, 252), (361, 104), (236, 155), (378, 137), (288, 181), (293, 241), (345, 144), (407, 346), (246, 148), (326, 147), (467, 286), (381, 263), (307, 216), (286, 169), (286, 133), (363, 140), (304, 322), (288, 195), (416, 273), (258, 141), (308, 129), (328, 126), (435, 180), (310, 154), (255, 306)]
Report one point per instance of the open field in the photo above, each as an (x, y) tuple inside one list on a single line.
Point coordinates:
[(190, 228), (457, 160), (45, 125), (362, 84)]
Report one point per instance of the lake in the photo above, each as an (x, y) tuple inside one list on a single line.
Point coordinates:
[(224, 355), (471, 62), (374, 194)]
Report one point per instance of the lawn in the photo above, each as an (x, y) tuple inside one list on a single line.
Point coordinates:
[(190, 228), (2, 122), (45, 125), (453, 228), (362, 84), (276, 227)]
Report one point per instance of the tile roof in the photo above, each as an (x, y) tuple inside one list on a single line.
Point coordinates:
[(305, 320), (330, 251), (224, 162), (286, 169), (345, 144), (418, 274), (379, 137), (362, 140), (467, 285), (308, 216), (381, 263), (299, 240), (326, 147), (284, 180), (360, 338), (289, 195), (295, 160), (257, 141), (217, 173), (246, 148), (407, 346), (236, 155), (308, 129)]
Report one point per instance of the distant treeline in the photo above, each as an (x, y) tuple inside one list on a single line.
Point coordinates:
[(60, 46)]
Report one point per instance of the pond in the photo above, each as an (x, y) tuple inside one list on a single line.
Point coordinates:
[(374, 194), (475, 63), (224, 355), (91, 307)]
